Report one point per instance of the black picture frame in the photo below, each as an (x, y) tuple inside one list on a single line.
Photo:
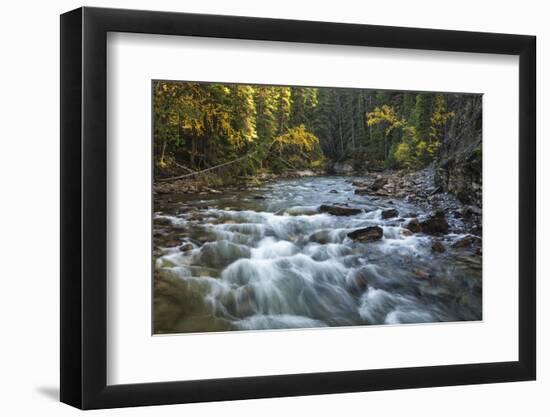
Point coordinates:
[(84, 207)]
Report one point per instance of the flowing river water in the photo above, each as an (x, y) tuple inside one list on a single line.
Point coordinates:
[(266, 258)]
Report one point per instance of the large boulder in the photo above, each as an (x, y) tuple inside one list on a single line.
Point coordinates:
[(368, 234)]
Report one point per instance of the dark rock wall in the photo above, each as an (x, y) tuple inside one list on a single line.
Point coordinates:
[(458, 168)]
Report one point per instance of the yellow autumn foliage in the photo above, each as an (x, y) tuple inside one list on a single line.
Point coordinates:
[(298, 137)]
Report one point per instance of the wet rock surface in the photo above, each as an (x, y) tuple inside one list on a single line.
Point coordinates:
[(368, 234), (437, 246), (389, 213), (466, 241), (435, 224), (339, 210)]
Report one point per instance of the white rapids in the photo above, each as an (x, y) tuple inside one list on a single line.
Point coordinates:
[(268, 259)]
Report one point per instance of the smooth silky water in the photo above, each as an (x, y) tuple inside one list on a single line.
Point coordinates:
[(265, 258)]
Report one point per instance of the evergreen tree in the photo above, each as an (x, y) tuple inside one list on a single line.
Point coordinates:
[(200, 125)]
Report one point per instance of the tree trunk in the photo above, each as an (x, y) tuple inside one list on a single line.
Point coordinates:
[(352, 133), (163, 151)]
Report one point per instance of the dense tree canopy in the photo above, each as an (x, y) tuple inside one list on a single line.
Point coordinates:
[(275, 128)]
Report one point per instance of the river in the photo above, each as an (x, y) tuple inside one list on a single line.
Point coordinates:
[(266, 258)]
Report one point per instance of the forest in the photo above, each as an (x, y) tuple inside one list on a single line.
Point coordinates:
[(248, 129)]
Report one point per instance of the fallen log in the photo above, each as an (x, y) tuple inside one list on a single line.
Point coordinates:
[(179, 177)]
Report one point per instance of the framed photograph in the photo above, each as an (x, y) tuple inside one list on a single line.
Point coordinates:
[(257, 208)]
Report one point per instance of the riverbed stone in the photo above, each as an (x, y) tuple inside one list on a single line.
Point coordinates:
[(437, 246), (162, 221), (435, 224), (321, 236), (421, 273), (245, 303), (379, 183), (186, 247), (222, 253), (470, 211), (361, 191), (389, 213), (339, 210), (465, 241), (413, 225), (171, 242), (358, 282), (405, 232), (367, 234)]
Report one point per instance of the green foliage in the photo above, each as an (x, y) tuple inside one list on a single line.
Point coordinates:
[(404, 154), (421, 115), (340, 121), (420, 134), (200, 125), (282, 109)]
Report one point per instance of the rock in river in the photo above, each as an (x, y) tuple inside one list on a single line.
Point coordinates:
[(162, 221), (434, 224), (186, 247), (321, 236), (413, 225), (379, 183), (465, 241), (368, 234), (222, 253), (389, 213), (470, 211), (339, 210), (437, 246)]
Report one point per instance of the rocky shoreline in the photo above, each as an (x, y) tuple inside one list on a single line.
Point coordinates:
[(420, 188)]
